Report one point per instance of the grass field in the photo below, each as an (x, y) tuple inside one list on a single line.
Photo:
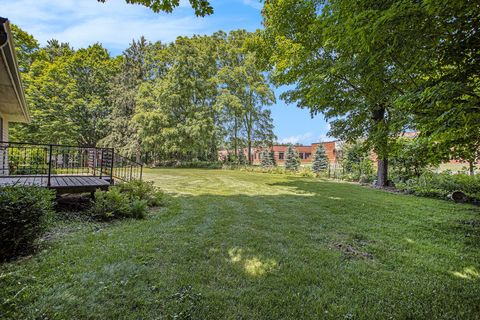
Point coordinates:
[(238, 245)]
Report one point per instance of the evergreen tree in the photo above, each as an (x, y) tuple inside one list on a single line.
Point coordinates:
[(265, 159), (292, 161), (320, 160), (272, 158), (138, 64)]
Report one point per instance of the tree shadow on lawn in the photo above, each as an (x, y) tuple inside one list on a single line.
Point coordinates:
[(317, 233)]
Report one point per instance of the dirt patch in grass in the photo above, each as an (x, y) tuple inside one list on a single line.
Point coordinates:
[(351, 252), (473, 223)]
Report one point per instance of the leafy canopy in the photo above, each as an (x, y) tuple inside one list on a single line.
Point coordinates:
[(201, 7)]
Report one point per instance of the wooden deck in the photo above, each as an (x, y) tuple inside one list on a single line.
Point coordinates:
[(62, 184)]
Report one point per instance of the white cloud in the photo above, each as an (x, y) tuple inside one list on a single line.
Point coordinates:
[(302, 138), (254, 3), (114, 23)]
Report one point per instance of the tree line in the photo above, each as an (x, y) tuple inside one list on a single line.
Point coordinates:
[(183, 101), (373, 69)]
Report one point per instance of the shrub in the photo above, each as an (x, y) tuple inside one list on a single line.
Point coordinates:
[(113, 204), (189, 164), (142, 190), (23, 218), (126, 200), (411, 157), (439, 185), (110, 204), (138, 208)]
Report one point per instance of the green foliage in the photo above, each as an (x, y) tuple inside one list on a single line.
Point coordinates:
[(114, 204), (320, 160), (23, 217), (245, 91), (154, 103), (338, 68), (376, 69), (202, 7), (292, 161), (357, 164), (267, 158), (126, 200), (188, 164), (68, 94), (142, 190), (26, 48), (412, 157), (242, 159), (440, 185), (33, 162), (138, 64), (445, 102), (208, 93)]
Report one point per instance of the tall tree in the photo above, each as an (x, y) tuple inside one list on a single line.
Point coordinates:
[(26, 48), (140, 61), (337, 55), (247, 91), (446, 103), (201, 7), (177, 112), (67, 92)]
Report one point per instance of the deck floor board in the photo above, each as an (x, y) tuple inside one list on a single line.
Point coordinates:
[(60, 183)]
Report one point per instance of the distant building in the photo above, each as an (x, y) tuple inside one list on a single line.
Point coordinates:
[(332, 148)]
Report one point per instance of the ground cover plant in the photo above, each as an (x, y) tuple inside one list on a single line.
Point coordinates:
[(442, 185), (236, 244)]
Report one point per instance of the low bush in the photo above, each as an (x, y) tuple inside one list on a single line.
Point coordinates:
[(23, 218), (142, 190), (440, 185), (188, 164), (113, 204), (126, 200)]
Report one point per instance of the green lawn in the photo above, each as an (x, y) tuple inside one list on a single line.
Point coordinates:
[(238, 245)]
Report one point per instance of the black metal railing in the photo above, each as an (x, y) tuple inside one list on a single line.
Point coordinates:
[(28, 159)]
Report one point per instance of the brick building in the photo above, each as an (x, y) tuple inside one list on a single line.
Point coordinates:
[(332, 148)]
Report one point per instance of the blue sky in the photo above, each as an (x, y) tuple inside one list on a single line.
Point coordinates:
[(115, 24)]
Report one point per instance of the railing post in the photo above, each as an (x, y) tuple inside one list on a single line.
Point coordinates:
[(111, 166), (141, 171), (101, 165), (94, 162), (49, 165)]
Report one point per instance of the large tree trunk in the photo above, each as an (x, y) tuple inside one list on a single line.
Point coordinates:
[(249, 151), (235, 141), (471, 168), (381, 128), (382, 172), (138, 156)]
